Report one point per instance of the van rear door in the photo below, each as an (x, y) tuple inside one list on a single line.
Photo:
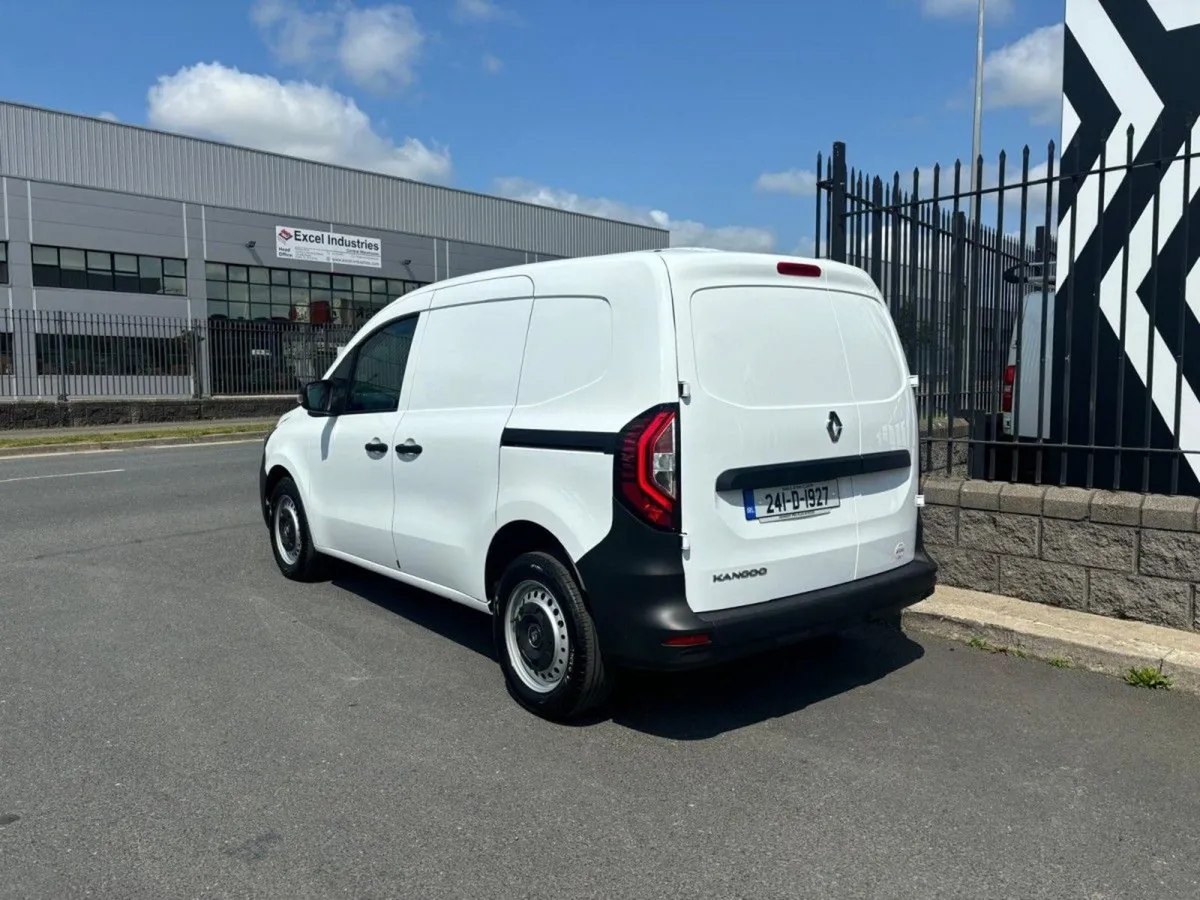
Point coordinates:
[(797, 436)]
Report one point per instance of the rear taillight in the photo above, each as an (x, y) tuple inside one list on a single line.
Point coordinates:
[(648, 467), (1006, 398)]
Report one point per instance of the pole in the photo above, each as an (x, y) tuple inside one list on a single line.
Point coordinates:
[(977, 136), (837, 205)]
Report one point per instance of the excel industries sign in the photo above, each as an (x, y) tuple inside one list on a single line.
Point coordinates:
[(306, 245)]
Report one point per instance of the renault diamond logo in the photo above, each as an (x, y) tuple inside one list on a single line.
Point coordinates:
[(834, 427)]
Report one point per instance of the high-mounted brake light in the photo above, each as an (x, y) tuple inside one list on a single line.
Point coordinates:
[(647, 467), (1006, 397), (804, 270)]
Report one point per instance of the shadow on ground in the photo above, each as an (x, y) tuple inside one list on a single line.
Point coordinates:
[(452, 621), (685, 706), (692, 706)]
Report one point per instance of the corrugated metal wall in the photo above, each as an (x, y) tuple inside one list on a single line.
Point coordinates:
[(50, 146)]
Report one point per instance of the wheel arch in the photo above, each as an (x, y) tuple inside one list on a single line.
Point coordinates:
[(276, 474), (523, 536)]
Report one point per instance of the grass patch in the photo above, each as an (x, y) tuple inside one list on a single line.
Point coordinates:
[(1148, 677), (146, 434), (1059, 662), (978, 643)]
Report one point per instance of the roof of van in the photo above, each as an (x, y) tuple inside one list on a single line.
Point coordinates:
[(843, 274)]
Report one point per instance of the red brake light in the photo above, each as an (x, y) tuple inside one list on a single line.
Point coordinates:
[(688, 640), (804, 270), (647, 468), (1006, 398)]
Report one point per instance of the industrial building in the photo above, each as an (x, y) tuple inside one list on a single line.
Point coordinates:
[(103, 221)]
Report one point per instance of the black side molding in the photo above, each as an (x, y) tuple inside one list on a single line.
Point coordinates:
[(782, 474), (540, 439)]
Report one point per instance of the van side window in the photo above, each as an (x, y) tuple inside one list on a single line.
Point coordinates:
[(379, 368), (471, 356)]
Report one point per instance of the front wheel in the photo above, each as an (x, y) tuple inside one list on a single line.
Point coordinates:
[(291, 542), (546, 640)]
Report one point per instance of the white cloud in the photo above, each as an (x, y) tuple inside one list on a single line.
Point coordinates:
[(796, 182), (295, 118), (684, 232), (1027, 74), (111, 117), (295, 37), (492, 64), (806, 246), (477, 10), (380, 46), (377, 47), (953, 9)]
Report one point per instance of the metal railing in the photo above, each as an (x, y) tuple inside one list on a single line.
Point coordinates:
[(69, 355), (1105, 365)]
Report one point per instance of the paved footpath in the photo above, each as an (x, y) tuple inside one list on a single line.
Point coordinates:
[(178, 721)]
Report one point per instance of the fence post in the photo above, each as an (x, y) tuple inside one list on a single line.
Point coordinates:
[(61, 346), (837, 204), (877, 232), (958, 250), (194, 362)]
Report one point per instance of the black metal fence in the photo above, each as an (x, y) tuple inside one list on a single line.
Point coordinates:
[(67, 355), (1035, 347)]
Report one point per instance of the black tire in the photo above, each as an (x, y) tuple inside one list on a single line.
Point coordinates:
[(307, 564), (584, 683)]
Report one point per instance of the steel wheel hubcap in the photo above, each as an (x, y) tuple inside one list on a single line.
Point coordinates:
[(287, 530), (535, 636)]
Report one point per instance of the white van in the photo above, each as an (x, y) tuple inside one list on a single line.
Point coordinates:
[(1025, 399), (659, 459)]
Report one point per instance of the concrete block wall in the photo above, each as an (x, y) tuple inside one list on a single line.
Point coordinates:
[(1129, 556)]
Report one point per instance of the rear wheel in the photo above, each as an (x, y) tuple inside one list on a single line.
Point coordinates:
[(546, 640), (291, 542)]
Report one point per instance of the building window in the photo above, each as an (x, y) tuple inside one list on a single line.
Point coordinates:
[(254, 292), (3, 262), (100, 270)]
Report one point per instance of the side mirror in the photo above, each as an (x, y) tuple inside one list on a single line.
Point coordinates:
[(317, 397)]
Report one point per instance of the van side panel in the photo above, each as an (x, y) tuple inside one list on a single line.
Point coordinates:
[(465, 380), (600, 350), (568, 355)]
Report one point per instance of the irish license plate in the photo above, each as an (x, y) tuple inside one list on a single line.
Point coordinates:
[(793, 502)]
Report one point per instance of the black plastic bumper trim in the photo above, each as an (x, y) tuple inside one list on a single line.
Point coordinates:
[(747, 630)]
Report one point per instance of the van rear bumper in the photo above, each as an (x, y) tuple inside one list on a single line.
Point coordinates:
[(747, 630)]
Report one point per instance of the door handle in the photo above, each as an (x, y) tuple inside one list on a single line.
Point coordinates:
[(376, 446), (409, 448)]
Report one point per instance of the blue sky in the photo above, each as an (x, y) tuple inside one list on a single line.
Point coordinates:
[(704, 116)]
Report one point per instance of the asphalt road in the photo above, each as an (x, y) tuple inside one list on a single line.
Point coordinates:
[(176, 720)]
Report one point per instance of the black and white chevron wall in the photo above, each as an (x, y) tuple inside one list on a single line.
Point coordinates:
[(1127, 308)]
